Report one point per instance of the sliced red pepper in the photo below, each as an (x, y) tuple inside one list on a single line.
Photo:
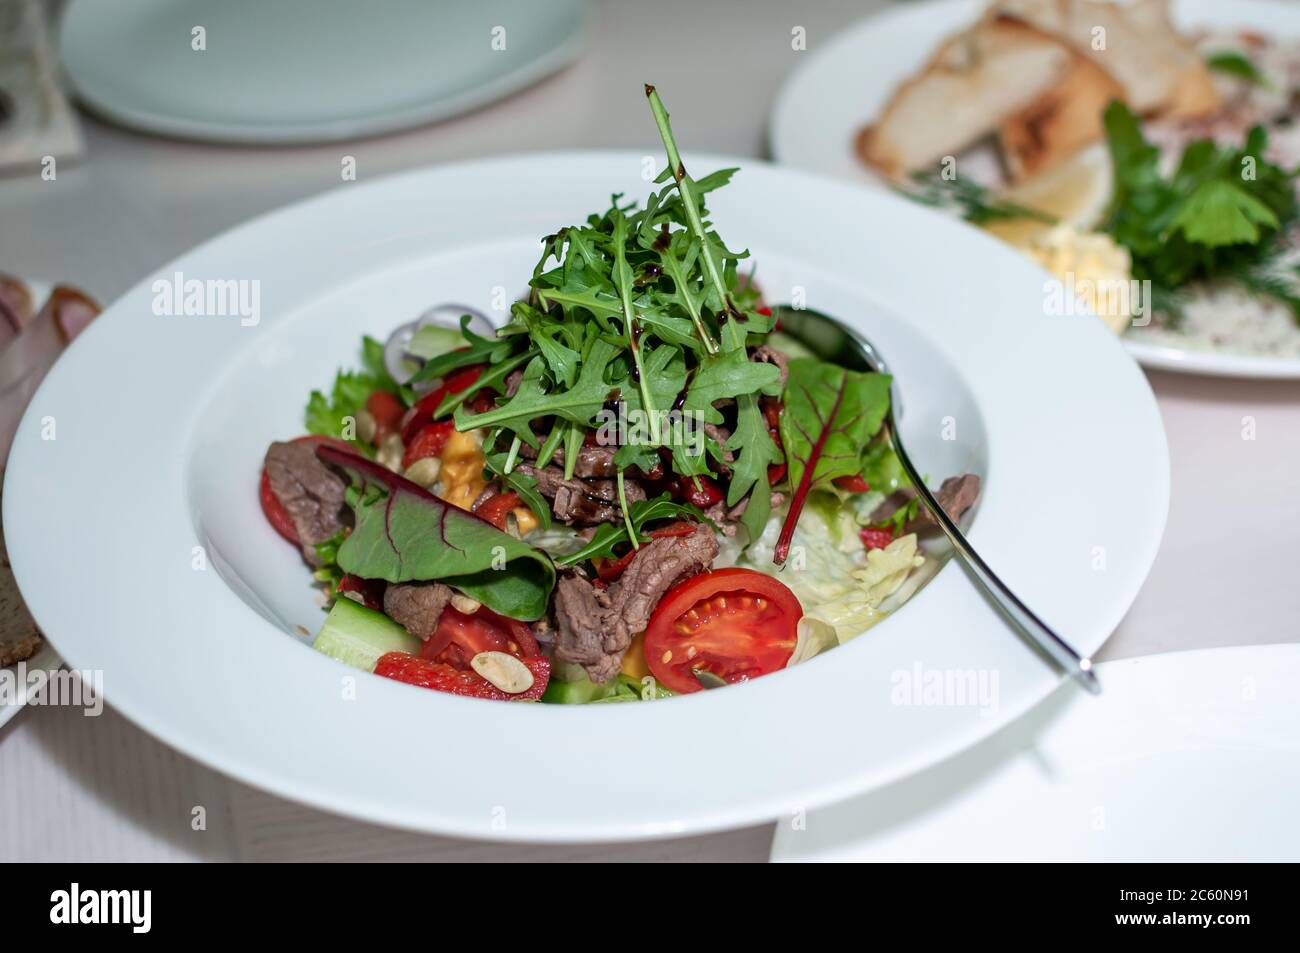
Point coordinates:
[(772, 412), (610, 569), (703, 495), (388, 410), (422, 411), (430, 441), (873, 538), (370, 590), (442, 677), (776, 473), (495, 508), (853, 484)]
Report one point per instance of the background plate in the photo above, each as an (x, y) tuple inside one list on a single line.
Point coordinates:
[(308, 70), (845, 81)]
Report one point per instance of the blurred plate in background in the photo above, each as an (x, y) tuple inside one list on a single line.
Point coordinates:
[(299, 71)]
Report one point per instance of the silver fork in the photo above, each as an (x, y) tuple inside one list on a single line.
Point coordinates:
[(832, 340)]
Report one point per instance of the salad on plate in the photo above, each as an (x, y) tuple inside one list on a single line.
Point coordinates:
[(637, 487)]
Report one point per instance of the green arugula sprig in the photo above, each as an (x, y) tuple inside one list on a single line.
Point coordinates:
[(643, 307), (638, 513)]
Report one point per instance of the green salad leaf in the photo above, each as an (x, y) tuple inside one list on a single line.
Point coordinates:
[(831, 415), (403, 533), (330, 416)]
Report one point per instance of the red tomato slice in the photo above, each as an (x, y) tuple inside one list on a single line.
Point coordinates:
[(429, 441), (422, 411), (459, 637), (734, 623), (495, 508), (388, 410), (274, 510), (854, 484), (414, 670)]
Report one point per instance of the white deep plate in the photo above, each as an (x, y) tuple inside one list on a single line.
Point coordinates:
[(845, 82), (308, 70), (162, 423)]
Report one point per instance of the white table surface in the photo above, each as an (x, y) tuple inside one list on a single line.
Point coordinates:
[(77, 788)]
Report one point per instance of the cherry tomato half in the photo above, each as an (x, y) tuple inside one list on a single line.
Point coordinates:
[(736, 624), (459, 637)]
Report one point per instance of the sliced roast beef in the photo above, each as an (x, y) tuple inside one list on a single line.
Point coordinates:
[(580, 624), (655, 569), (416, 606), (582, 502), (597, 462), (310, 491), (956, 495), (595, 628)]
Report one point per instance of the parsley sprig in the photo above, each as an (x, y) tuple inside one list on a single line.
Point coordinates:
[(1221, 214)]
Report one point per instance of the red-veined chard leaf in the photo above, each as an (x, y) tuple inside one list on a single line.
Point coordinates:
[(830, 416), (403, 533)]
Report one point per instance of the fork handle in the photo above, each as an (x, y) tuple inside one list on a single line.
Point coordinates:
[(1038, 632)]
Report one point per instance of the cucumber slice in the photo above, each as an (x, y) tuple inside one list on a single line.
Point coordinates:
[(358, 636)]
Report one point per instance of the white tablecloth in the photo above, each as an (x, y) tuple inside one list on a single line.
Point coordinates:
[(98, 788)]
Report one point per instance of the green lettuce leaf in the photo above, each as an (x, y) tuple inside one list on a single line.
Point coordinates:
[(403, 533), (330, 416), (831, 415)]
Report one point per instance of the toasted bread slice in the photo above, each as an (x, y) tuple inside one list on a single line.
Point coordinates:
[(1060, 122), (975, 80), (1135, 42)]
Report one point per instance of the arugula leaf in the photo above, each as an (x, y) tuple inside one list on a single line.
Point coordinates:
[(330, 416), (755, 451), (579, 404), (639, 513), (831, 415), (403, 533), (729, 374)]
